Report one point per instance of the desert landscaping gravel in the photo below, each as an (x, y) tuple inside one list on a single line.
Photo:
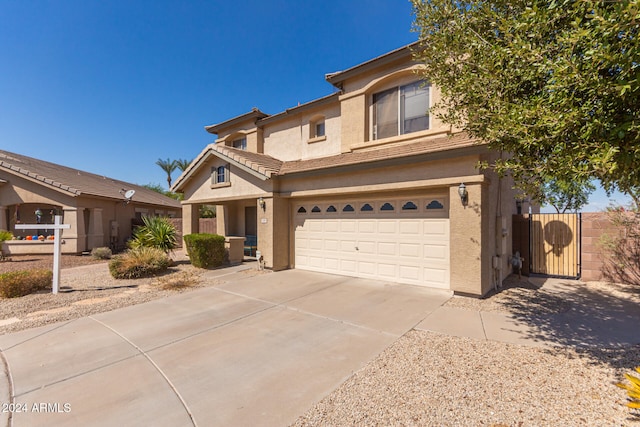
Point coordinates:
[(423, 379)]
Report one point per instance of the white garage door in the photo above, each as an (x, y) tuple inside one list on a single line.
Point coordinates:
[(405, 240)]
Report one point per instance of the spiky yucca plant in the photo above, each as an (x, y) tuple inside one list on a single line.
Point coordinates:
[(157, 232), (633, 389)]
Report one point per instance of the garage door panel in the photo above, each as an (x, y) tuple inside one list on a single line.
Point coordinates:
[(436, 252), (409, 272), (387, 248), (409, 227), (367, 268), (366, 247), (315, 261), (348, 266), (332, 263), (347, 226), (367, 226), (387, 227), (411, 250), (331, 226), (348, 245), (332, 245), (316, 244), (436, 227), (301, 243), (389, 271)]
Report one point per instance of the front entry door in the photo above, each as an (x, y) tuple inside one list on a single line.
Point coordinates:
[(250, 230)]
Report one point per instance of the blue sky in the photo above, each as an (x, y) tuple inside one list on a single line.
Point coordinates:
[(111, 86)]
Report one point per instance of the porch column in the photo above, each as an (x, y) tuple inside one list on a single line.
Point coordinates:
[(74, 237), (190, 216), (470, 251), (273, 233), (96, 233), (3, 218), (222, 220)]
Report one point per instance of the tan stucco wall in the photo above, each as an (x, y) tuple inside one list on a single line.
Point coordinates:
[(243, 184), (288, 139), (379, 179)]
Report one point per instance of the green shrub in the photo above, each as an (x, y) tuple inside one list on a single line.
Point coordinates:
[(157, 232), (205, 250), (101, 253), (21, 283), (5, 235), (139, 262)]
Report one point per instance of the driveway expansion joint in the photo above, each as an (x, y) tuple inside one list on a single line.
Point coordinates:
[(155, 365)]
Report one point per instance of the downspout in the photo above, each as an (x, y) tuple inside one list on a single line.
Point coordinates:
[(499, 236)]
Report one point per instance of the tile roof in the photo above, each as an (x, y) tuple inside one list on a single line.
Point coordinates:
[(261, 163), (75, 182), (267, 167), (427, 146)]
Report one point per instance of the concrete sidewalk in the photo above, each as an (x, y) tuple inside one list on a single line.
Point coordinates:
[(589, 318)]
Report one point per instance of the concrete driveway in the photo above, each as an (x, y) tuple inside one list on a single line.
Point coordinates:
[(251, 351)]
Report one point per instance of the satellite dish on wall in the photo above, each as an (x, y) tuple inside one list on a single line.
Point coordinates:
[(129, 194)]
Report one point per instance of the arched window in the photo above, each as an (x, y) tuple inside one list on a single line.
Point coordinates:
[(434, 204), (409, 206)]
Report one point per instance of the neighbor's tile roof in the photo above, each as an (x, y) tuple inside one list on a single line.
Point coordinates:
[(76, 182)]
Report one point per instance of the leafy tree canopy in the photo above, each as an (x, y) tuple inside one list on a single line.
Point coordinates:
[(567, 196), (553, 83), (158, 189)]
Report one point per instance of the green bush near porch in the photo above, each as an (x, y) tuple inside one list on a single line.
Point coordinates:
[(205, 250)]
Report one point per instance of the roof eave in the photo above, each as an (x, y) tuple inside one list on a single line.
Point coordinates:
[(255, 114), (337, 78)]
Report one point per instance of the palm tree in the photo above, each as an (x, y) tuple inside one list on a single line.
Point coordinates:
[(182, 164), (168, 166)]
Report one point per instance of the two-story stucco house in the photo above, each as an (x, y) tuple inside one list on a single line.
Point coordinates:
[(362, 183)]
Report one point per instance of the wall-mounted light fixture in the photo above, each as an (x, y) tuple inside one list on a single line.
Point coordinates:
[(262, 203), (519, 206), (464, 196)]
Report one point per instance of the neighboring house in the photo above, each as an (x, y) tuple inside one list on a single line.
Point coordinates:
[(360, 183), (93, 205)]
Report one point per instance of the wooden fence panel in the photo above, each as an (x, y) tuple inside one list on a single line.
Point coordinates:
[(555, 244)]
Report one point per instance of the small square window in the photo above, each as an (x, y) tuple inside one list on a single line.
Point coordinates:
[(319, 129)]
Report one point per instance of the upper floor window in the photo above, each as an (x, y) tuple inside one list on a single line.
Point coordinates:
[(400, 110), (240, 143), (219, 174), (316, 128)]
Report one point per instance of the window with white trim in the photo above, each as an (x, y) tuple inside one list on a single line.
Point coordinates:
[(400, 110)]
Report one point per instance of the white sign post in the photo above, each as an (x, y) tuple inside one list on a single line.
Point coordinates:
[(56, 226)]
